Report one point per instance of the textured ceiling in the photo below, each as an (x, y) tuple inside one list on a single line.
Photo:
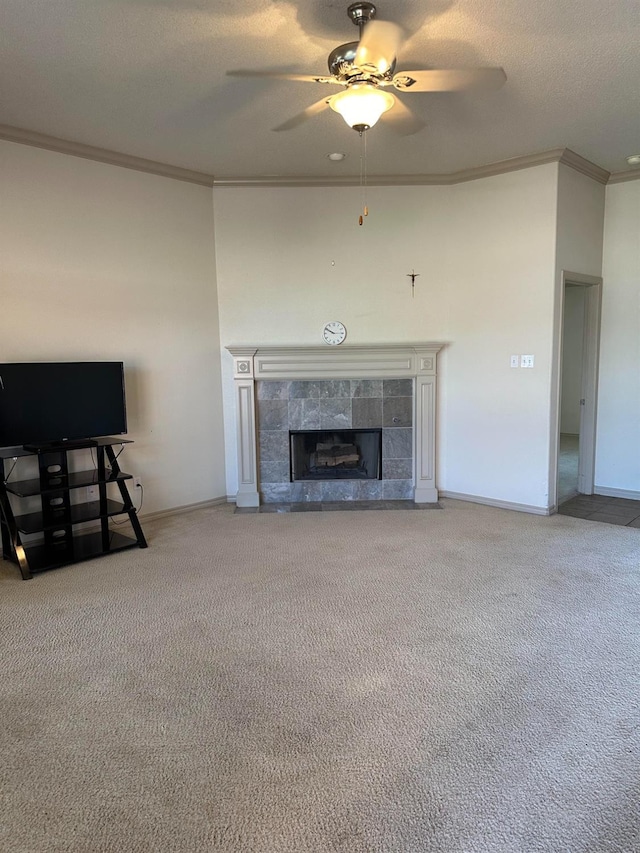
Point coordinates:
[(147, 78)]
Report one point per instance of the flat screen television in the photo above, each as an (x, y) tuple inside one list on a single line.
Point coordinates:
[(55, 403)]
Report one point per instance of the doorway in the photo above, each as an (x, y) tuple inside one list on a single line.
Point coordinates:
[(578, 380), (571, 399)]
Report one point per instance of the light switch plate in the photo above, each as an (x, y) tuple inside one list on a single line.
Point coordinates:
[(515, 361), (526, 361)]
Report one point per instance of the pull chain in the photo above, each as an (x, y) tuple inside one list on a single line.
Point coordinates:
[(363, 177)]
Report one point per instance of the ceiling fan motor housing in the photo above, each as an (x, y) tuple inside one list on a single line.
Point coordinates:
[(340, 62), (341, 59)]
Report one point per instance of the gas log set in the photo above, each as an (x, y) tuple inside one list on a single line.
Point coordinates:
[(328, 455)]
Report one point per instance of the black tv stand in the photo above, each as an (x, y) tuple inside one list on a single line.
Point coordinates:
[(64, 444), (66, 527)]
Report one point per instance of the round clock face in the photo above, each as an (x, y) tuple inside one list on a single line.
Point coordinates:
[(334, 333)]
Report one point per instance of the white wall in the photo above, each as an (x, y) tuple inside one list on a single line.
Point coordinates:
[(618, 449), (500, 302), (98, 262), (580, 222), (290, 259)]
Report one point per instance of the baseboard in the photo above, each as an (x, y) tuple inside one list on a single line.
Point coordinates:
[(617, 493), (477, 499), (179, 510)]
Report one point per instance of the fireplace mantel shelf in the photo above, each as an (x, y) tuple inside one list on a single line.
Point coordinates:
[(304, 348), (417, 361)]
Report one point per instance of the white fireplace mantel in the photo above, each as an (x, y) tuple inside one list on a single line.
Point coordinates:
[(416, 361)]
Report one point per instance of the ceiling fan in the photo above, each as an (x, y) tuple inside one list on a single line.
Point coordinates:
[(365, 68)]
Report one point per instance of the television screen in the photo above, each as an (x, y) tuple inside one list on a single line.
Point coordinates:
[(49, 402)]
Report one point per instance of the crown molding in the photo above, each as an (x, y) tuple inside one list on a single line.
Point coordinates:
[(555, 155), (444, 179), (102, 155), (622, 177), (140, 164), (503, 167), (585, 167)]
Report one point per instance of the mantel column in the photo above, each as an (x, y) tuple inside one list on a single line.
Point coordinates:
[(425, 428), (244, 382)]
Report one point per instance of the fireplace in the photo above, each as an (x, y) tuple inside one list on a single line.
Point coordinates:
[(348, 454), (388, 389), (356, 439)]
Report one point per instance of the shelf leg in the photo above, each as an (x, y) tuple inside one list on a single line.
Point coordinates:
[(126, 500), (23, 563), (11, 545)]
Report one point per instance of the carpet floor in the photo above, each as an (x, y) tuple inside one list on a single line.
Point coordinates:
[(463, 681)]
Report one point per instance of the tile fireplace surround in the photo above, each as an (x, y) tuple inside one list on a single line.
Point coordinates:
[(278, 389)]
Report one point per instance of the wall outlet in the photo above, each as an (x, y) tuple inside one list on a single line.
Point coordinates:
[(92, 493), (137, 482)]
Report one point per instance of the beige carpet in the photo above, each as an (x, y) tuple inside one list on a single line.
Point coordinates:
[(460, 681)]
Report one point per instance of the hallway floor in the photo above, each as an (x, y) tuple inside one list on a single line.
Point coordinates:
[(620, 511)]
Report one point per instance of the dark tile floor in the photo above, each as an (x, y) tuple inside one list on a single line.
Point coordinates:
[(600, 508), (335, 506)]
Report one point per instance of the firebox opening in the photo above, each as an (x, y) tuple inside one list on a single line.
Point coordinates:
[(347, 454)]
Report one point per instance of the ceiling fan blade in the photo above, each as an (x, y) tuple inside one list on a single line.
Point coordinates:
[(282, 75), (449, 79), (378, 46), (311, 111), (401, 119)]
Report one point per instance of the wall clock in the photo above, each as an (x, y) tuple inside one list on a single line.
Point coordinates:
[(334, 332)]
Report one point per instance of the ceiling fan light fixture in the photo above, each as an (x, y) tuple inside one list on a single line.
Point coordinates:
[(361, 105)]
